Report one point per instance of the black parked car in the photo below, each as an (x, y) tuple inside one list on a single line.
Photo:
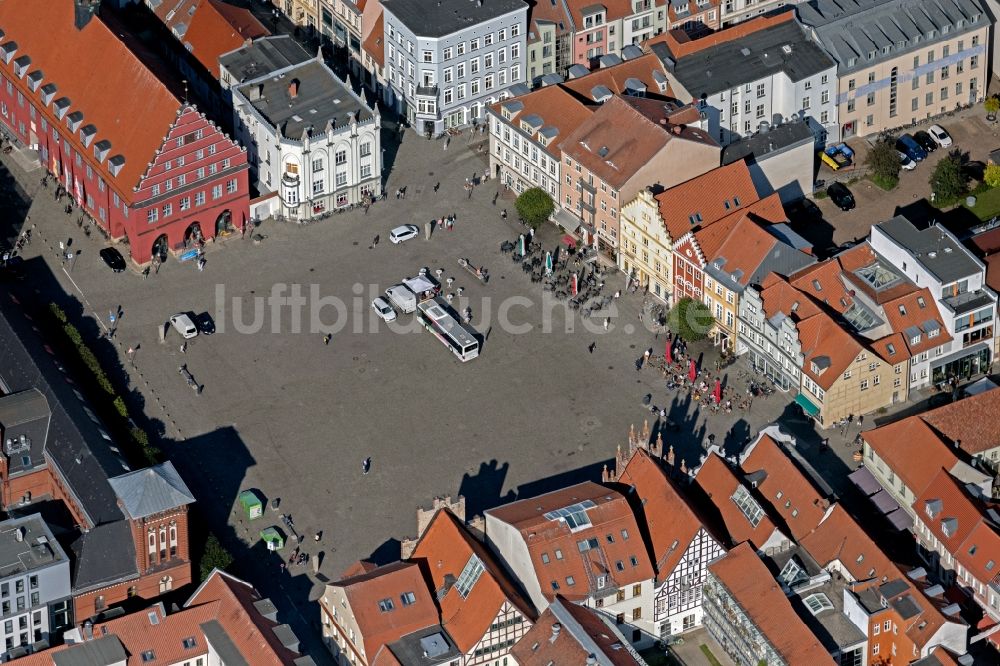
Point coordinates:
[(113, 258), (841, 196), (204, 323), (925, 141)]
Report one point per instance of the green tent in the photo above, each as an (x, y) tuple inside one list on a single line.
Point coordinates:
[(251, 504), (273, 537)]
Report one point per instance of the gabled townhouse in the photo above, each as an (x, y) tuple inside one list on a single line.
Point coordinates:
[(793, 493), (363, 613), (735, 508), (903, 458), (769, 314), (549, 41), (879, 304), (626, 144), (653, 221), (147, 166), (958, 536), (900, 62), (372, 59), (446, 62), (679, 542), (581, 542), (933, 258), (568, 634), (732, 254), (747, 612), (754, 75), (481, 610)]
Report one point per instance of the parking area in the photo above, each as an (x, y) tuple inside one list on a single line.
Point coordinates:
[(969, 129)]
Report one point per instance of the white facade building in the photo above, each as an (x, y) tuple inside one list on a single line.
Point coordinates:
[(447, 61), (766, 75), (310, 140)]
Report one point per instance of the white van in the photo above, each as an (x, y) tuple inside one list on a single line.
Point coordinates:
[(404, 299)]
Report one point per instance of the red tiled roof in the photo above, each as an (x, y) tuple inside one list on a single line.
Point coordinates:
[(614, 77), (379, 627), (751, 584), (681, 45), (822, 337), (706, 195), (615, 9), (912, 451), (580, 628), (779, 296), (971, 422), (789, 491), (955, 507), (250, 631), (216, 28), (556, 106), (719, 482), (374, 44), (128, 103), (839, 538), (744, 243), (619, 552), (914, 310), (166, 638), (616, 141), (670, 520), (444, 550)]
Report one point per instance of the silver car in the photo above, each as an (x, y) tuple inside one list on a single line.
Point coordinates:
[(383, 309)]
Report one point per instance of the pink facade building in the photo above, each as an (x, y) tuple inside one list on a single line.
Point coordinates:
[(147, 166)]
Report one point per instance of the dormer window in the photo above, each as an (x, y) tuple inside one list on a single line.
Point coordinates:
[(7, 51), (61, 106), (115, 164), (87, 134), (48, 92), (902, 309), (101, 149), (915, 340), (35, 80), (21, 66), (74, 120)]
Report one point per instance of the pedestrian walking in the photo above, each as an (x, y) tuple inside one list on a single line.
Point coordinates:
[(592, 347), (375, 242), (327, 338), (607, 322), (503, 214), (861, 419), (437, 186), (184, 347), (618, 294), (366, 465), (495, 197)]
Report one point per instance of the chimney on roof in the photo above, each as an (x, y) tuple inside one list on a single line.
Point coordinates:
[(677, 129), (556, 628), (83, 11), (293, 88)]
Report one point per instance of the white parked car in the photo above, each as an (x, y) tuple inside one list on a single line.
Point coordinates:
[(383, 309), (939, 135), (906, 162), (182, 324), (403, 233)]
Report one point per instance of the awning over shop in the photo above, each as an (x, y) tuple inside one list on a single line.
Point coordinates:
[(883, 502), (864, 481), (961, 353), (566, 220), (809, 408), (900, 520)]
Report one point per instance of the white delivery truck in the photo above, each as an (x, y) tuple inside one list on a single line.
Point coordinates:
[(404, 299)]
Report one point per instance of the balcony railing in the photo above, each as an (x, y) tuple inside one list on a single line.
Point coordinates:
[(427, 91)]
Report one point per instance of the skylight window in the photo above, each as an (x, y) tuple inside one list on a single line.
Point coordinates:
[(817, 603), (792, 573), (189, 642), (574, 515), (386, 605), (748, 505), (407, 598), (470, 574)]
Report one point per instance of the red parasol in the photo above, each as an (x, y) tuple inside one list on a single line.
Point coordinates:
[(668, 354), (717, 393), (692, 371)]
